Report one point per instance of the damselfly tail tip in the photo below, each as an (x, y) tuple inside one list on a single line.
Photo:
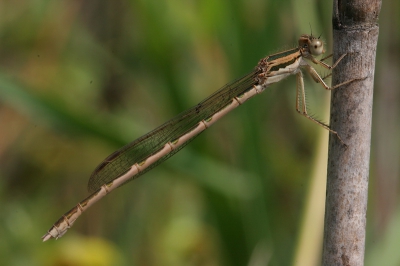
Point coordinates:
[(46, 237)]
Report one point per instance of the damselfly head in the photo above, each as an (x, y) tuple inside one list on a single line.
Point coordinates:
[(312, 45)]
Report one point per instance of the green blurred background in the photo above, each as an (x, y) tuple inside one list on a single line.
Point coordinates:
[(79, 79)]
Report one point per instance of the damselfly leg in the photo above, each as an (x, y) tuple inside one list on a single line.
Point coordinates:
[(301, 106)]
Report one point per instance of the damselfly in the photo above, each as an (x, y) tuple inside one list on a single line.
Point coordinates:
[(148, 151)]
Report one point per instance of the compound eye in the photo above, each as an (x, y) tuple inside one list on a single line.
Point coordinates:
[(316, 47)]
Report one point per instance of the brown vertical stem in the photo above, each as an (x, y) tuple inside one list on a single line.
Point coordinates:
[(355, 32)]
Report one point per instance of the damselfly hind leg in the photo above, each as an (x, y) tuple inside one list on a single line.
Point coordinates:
[(301, 105)]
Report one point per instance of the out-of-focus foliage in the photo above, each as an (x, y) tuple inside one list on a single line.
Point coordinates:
[(79, 79)]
